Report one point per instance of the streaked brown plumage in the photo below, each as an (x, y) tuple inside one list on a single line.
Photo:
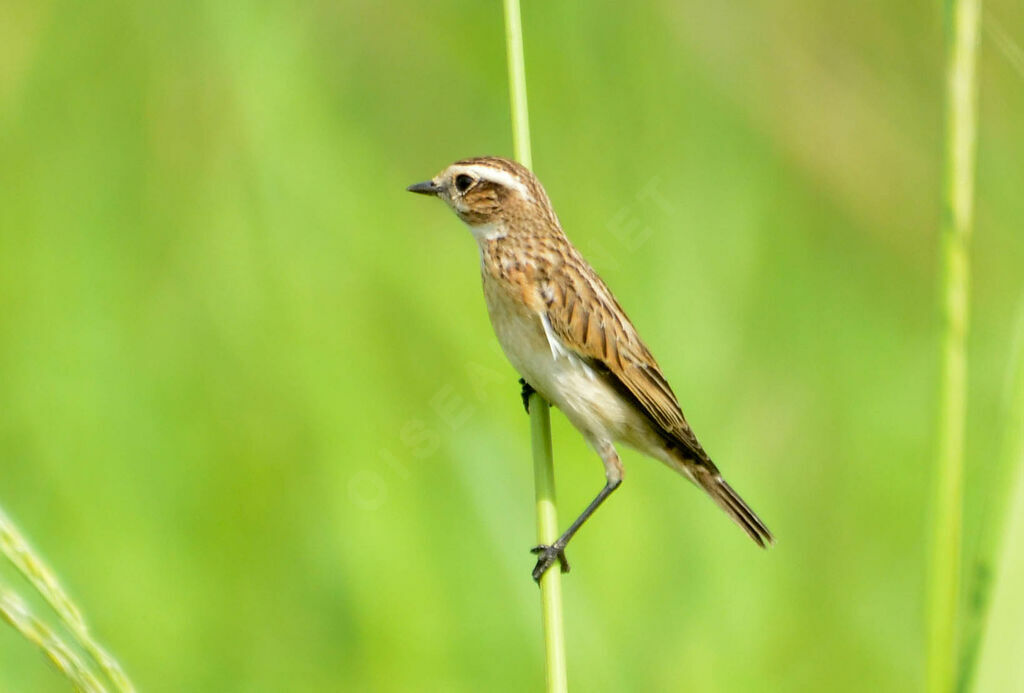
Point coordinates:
[(563, 330)]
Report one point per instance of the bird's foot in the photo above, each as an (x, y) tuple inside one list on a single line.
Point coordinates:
[(525, 394), (546, 557)]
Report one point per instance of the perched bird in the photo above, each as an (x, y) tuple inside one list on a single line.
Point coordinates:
[(562, 329)]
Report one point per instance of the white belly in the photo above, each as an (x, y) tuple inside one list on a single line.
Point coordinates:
[(590, 403)]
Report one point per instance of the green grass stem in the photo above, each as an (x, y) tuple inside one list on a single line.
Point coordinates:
[(958, 193), (517, 83), (540, 418), (17, 613), (547, 533), (18, 551)]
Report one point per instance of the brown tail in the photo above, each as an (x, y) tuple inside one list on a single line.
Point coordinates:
[(728, 500)]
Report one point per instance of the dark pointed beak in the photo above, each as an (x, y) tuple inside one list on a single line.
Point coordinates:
[(427, 187)]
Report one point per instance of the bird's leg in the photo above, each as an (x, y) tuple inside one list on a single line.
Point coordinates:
[(548, 554), (525, 393)]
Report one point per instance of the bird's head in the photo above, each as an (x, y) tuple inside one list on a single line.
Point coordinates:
[(491, 194)]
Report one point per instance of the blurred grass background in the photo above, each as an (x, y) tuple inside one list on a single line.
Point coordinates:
[(253, 413)]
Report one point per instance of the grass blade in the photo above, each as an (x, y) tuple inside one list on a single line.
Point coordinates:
[(958, 195), (21, 555), (16, 612), (540, 417)]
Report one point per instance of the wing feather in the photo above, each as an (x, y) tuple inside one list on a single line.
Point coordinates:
[(589, 322)]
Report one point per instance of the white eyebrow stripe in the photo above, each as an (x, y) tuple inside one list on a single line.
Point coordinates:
[(500, 177)]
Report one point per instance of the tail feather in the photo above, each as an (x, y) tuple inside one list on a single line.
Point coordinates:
[(729, 501)]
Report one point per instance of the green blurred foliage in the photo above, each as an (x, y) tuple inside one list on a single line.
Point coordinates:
[(253, 412)]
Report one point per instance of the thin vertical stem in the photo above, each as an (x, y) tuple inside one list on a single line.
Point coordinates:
[(958, 197), (547, 533), (517, 83), (540, 419)]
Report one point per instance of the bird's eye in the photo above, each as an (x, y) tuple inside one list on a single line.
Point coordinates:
[(462, 182)]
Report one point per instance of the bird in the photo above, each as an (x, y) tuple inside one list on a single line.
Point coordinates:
[(563, 330)]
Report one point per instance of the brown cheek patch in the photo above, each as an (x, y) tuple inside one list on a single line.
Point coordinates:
[(482, 205), (474, 217)]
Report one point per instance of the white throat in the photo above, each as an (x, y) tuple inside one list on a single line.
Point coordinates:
[(487, 232)]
